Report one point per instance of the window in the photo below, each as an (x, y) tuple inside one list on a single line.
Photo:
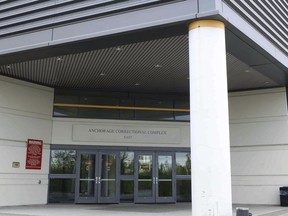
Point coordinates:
[(183, 188), (183, 176), (182, 116), (127, 176), (101, 113), (62, 176), (154, 114), (65, 111), (183, 163), (127, 190), (117, 105), (127, 163), (61, 191), (63, 162)]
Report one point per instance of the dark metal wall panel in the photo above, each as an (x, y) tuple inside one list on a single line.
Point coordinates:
[(25, 15), (269, 17)]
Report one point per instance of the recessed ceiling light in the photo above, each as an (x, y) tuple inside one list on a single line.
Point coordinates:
[(8, 66), (59, 58), (137, 84), (102, 74), (247, 71), (267, 82), (158, 66), (118, 49)]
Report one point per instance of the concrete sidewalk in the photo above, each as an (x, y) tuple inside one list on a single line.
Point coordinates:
[(182, 209), (179, 209)]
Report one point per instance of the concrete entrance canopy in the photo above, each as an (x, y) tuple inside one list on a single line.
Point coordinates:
[(117, 51)]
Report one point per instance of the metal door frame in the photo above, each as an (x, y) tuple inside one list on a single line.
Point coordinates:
[(138, 199), (116, 198), (155, 197), (173, 198), (79, 199), (97, 190)]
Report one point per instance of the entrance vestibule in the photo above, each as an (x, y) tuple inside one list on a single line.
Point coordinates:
[(114, 176)]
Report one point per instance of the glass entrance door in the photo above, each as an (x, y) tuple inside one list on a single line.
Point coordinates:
[(108, 183), (145, 178), (155, 178), (165, 178), (86, 184), (97, 177)]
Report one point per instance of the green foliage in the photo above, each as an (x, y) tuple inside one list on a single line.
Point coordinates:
[(63, 161)]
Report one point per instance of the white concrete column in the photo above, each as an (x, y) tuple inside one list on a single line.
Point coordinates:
[(210, 145)]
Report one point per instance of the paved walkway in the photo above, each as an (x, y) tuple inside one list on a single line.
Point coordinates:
[(182, 209), (179, 209)]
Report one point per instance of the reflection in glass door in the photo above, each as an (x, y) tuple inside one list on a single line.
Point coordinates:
[(165, 178), (108, 179), (145, 178), (86, 184), (97, 178), (155, 178)]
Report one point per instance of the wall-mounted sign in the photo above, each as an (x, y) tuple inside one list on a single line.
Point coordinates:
[(34, 154), (15, 164), (136, 134)]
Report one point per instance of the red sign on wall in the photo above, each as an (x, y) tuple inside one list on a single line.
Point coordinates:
[(34, 154)]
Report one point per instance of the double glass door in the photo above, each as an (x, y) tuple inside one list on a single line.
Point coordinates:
[(97, 177), (155, 177)]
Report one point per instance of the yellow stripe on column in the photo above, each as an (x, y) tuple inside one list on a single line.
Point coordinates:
[(206, 23)]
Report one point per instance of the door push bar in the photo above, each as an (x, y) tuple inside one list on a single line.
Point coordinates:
[(155, 180)]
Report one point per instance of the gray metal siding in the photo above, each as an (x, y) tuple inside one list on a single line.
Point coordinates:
[(25, 15), (269, 17)]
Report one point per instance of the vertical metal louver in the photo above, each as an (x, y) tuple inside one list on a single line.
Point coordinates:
[(269, 17), (25, 15)]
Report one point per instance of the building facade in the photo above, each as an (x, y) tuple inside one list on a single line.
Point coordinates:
[(129, 96)]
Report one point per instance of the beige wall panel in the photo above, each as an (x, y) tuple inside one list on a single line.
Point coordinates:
[(25, 112), (259, 145)]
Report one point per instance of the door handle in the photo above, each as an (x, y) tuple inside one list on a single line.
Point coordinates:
[(97, 180)]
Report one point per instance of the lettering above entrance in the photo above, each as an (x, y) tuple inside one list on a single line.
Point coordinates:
[(92, 133)]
